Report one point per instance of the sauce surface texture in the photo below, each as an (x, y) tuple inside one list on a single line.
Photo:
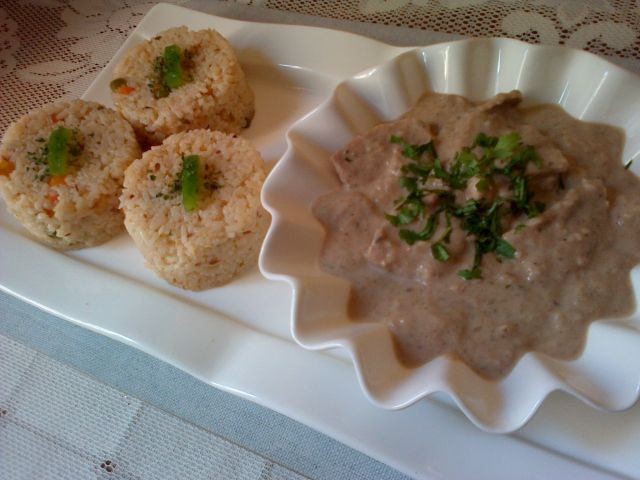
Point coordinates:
[(571, 262)]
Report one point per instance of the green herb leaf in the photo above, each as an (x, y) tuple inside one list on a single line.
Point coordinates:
[(482, 185), (507, 144), (534, 209), (439, 252), (505, 249), (485, 141), (470, 274), (409, 236), (481, 219), (409, 183), (439, 171), (156, 84), (410, 211), (414, 152), (421, 170)]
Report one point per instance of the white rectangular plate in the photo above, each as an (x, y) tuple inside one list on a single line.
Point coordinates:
[(237, 337)]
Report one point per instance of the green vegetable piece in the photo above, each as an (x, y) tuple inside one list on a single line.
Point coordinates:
[(58, 151), (172, 71), (117, 83), (190, 182)]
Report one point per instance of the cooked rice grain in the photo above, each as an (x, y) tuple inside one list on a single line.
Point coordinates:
[(210, 245), (81, 211), (218, 97)]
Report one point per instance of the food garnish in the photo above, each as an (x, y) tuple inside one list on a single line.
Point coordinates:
[(62, 148), (171, 70), (190, 181), (58, 151), (487, 161), (117, 84)]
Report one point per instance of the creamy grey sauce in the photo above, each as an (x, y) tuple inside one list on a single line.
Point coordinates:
[(572, 262)]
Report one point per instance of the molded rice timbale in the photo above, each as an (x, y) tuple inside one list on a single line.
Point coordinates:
[(81, 208), (218, 95), (210, 245)]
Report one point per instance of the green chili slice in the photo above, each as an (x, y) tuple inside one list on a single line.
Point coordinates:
[(58, 150), (172, 71), (190, 182)]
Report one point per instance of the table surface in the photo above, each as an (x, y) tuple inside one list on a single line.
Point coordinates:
[(74, 404)]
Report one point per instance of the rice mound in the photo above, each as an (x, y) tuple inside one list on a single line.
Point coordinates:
[(83, 211), (218, 97), (206, 247)]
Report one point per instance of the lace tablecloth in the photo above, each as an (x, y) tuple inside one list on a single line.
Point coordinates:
[(50, 413), (51, 49)]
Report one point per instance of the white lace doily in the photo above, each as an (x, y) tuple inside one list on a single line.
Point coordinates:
[(53, 49)]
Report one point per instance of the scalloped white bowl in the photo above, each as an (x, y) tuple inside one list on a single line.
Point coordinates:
[(607, 373)]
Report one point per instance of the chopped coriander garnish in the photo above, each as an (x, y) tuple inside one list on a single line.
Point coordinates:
[(190, 180), (470, 274), (413, 151), (485, 160), (505, 249), (39, 158), (439, 252), (506, 145), (156, 83)]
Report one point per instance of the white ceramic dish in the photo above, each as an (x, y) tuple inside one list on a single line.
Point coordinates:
[(606, 375), (245, 347)]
